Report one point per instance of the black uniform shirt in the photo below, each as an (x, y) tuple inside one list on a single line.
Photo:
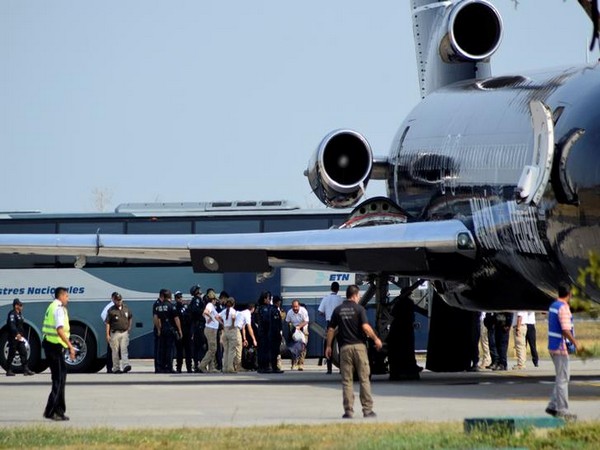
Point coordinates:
[(166, 313), (182, 311), (349, 318), (14, 322)]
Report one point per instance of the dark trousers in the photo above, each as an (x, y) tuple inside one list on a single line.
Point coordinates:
[(530, 337), (183, 348), (502, 335), (263, 351), (14, 348), (492, 344), (156, 352), (166, 350), (58, 368), (329, 361)]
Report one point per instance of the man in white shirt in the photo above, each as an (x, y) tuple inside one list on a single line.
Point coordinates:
[(328, 304), (530, 336), (297, 318)]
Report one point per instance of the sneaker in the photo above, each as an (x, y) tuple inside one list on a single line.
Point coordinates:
[(347, 415), (117, 371), (370, 415), (10, 373), (551, 411), (300, 368), (127, 368)]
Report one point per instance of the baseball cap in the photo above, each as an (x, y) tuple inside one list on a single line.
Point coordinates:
[(178, 294), (16, 301)]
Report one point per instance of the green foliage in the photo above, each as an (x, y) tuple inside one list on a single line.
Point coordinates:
[(589, 275)]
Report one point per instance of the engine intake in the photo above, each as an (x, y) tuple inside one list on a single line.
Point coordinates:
[(475, 31), (340, 168)]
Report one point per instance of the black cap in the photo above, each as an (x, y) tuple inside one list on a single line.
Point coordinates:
[(16, 302), (116, 295)]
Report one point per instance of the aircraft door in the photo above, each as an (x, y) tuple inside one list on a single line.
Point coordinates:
[(535, 176)]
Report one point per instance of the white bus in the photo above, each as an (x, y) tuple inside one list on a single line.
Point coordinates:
[(32, 279)]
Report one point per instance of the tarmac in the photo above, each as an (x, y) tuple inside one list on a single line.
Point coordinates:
[(143, 399)]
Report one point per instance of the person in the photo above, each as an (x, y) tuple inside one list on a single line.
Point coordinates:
[(297, 319), (56, 332), (249, 347), (489, 321), (16, 339), (561, 332), (350, 320), (401, 342), (169, 329), (118, 326), (183, 346), (196, 308), (156, 331), (220, 306), (243, 320), (211, 329), (530, 337), (326, 307), (484, 346), (103, 314), (277, 301), (232, 338), (269, 335), (520, 330), (501, 337)]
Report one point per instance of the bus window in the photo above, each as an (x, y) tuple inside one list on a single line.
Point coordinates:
[(91, 227), (159, 227), (297, 223), (227, 226)]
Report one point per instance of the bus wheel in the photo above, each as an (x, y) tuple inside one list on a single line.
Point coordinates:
[(85, 349), (33, 351)]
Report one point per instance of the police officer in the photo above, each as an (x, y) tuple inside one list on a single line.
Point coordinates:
[(183, 346), (16, 339), (156, 334), (169, 329), (196, 308), (269, 335)]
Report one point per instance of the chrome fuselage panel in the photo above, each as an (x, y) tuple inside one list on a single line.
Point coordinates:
[(460, 153)]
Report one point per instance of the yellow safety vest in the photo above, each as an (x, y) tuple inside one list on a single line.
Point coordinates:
[(49, 326)]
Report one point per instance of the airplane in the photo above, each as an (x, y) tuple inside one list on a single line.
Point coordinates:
[(493, 190)]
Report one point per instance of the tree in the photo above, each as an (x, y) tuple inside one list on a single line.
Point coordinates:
[(587, 275), (101, 198)]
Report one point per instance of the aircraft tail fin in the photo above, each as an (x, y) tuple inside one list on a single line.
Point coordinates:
[(454, 40)]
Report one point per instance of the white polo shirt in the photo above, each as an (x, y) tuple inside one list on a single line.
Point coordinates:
[(297, 318), (210, 314), (328, 304)]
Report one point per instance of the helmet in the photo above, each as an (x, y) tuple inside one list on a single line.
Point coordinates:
[(195, 289)]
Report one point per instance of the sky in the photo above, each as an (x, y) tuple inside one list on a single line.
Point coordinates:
[(214, 100)]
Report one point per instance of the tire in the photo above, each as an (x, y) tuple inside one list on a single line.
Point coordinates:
[(84, 342), (34, 353)]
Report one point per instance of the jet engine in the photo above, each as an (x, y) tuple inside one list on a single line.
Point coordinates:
[(340, 168), (474, 32), (454, 41)]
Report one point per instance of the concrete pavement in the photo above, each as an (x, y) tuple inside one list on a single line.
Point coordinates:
[(144, 399)]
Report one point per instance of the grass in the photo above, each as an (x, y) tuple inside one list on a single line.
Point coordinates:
[(414, 435)]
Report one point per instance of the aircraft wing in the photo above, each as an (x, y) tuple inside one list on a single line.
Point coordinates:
[(434, 248)]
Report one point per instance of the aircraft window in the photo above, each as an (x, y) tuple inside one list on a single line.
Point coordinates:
[(227, 226)]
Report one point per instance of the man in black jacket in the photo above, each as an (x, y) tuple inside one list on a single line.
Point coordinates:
[(16, 339)]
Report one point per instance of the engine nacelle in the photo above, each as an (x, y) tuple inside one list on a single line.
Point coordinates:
[(340, 168), (474, 32)]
